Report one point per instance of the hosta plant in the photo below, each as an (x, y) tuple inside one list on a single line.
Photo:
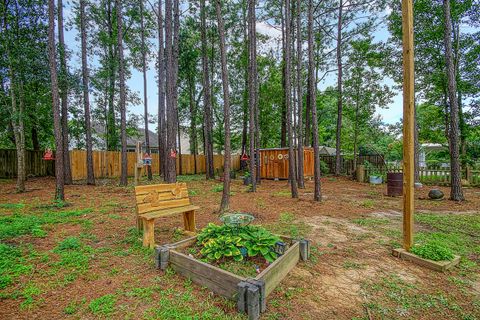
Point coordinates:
[(223, 242)]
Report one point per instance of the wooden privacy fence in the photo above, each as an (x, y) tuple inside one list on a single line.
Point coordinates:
[(34, 164), (107, 164), (433, 176)]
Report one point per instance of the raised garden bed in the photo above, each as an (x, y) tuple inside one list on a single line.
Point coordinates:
[(441, 266), (249, 292)]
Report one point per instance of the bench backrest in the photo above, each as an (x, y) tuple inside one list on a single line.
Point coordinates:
[(158, 197)]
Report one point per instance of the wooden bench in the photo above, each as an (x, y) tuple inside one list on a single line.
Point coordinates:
[(163, 200)]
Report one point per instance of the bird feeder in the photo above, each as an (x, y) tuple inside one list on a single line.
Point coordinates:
[(147, 159), (48, 155)]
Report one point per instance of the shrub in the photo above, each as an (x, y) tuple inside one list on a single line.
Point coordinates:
[(324, 168), (222, 242), (433, 250)]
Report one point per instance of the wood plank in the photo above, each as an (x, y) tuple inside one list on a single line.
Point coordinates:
[(219, 281), (440, 266), (183, 243), (168, 212), (162, 196), (275, 273), (158, 187), (148, 207)]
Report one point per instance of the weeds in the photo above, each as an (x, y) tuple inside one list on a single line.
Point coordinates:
[(104, 305)]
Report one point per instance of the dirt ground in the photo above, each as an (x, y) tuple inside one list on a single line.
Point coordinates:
[(352, 274)]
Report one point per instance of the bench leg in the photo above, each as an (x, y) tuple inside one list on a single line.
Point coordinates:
[(189, 220), (139, 223), (148, 233)]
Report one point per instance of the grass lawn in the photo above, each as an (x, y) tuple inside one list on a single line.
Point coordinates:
[(83, 258)]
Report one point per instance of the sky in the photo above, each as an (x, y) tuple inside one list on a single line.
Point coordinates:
[(390, 115)]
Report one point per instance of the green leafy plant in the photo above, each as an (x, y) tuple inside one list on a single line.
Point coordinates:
[(223, 242), (218, 188), (433, 250)]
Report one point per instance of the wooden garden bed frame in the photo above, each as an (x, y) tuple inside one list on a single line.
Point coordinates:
[(250, 293)]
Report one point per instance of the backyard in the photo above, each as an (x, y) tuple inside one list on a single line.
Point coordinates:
[(84, 258)]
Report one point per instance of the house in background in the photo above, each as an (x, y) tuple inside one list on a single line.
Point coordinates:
[(98, 136)]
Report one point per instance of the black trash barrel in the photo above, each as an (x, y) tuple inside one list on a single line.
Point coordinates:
[(394, 184)]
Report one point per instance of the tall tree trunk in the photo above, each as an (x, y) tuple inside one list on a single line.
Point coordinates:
[(180, 164), (193, 121), (251, 92), (339, 90), (288, 90), (123, 113), (162, 130), (64, 94), (86, 98), (170, 163), (112, 136), (246, 96), (207, 101), (416, 156), (283, 132), (308, 111), (224, 205), (355, 132), (301, 182), (145, 93), (59, 174), (17, 115), (312, 94), (456, 192)]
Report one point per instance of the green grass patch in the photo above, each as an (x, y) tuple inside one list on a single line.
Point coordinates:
[(104, 305), (19, 224), (282, 194), (287, 225), (369, 222), (74, 255), (433, 250), (12, 264), (12, 206), (217, 188)]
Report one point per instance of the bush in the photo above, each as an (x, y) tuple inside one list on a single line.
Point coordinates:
[(433, 250), (224, 242), (324, 168)]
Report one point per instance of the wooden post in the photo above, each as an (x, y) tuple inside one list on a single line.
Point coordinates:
[(408, 123), (148, 233), (138, 163)]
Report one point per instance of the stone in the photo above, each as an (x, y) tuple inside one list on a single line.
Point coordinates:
[(435, 194)]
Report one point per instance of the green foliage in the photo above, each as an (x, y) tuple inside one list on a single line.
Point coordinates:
[(324, 168), (12, 264), (104, 305), (73, 254), (19, 224), (217, 188), (222, 241), (433, 250)]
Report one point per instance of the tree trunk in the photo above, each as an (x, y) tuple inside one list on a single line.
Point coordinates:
[(170, 163), (180, 164), (224, 206), (456, 192), (312, 94), (251, 92), (17, 117), (162, 153), (59, 174), (193, 121), (283, 132), (207, 101), (111, 132), (301, 182), (355, 133), (145, 93), (288, 90), (64, 94), (86, 98), (123, 116), (308, 111), (339, 89)]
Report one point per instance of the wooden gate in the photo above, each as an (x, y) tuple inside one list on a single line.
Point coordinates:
[(274, 163)]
